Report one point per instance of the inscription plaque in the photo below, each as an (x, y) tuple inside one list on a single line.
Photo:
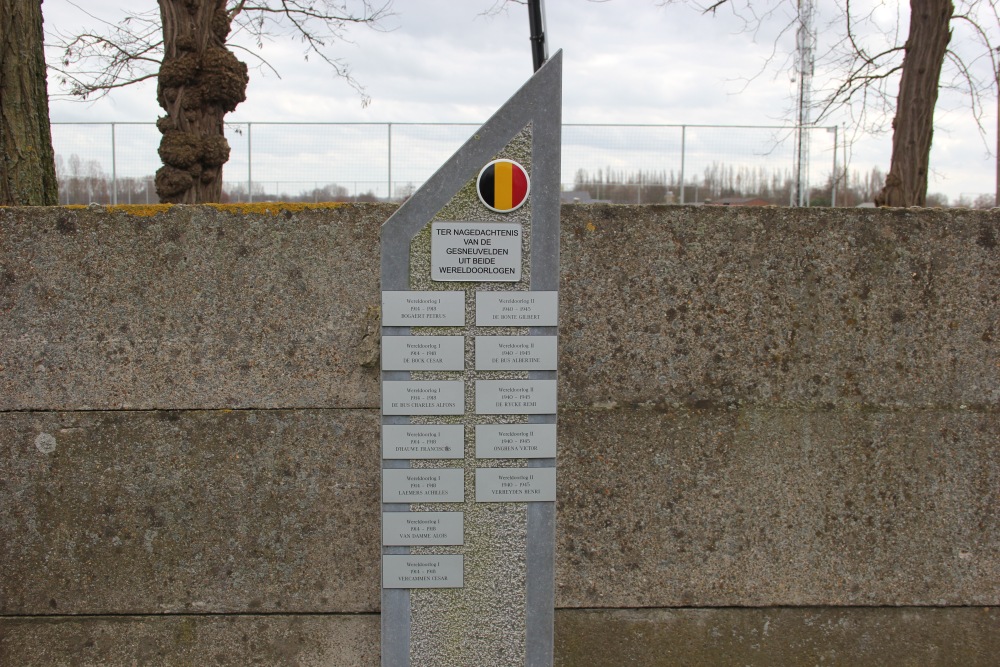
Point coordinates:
[(526, 353), (423, 528), (517, 309), (516, 441), (509, 485), (437, 571), (423, 309), (423, 353), (429, 441), (476, 251), (427, 397), (429, 485), (515, 397)]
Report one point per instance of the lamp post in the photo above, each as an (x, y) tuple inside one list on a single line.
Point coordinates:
[(536, 23)]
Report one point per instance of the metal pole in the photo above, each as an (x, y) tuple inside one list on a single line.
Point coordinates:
[(807, 183), (683, 155), (536, 22), (833, 192), (847, 182), (388, 196), (114, 168), (249, 164)]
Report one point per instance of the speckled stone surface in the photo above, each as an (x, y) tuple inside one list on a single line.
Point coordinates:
[(760, 407), (189, 512), (778, 507), (906, 637), (210, 511), (712, 306), (192, 307), (191, 641), (482, 623)]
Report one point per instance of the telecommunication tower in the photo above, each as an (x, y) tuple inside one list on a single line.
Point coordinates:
[(805, 46)]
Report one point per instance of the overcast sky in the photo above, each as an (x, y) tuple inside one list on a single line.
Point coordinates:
[(625, 61)]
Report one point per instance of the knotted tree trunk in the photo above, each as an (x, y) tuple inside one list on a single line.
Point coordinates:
[(913, 126), (27, 167), (200, 81)]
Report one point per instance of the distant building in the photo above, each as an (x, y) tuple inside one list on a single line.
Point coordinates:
[(579, 197), (738, 201)]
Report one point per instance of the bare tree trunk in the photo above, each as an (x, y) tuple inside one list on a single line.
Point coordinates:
[(200, 81), (913, 126), (27, 167)]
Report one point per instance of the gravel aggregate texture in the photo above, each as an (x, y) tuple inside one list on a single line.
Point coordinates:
[(777, 436)]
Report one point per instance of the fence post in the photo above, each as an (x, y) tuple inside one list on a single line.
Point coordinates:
[(833, 191), (114, 168), (683, 150), (799, 196), (249, 165)]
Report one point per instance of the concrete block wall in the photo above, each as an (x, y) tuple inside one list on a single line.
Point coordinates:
[(779, 436)]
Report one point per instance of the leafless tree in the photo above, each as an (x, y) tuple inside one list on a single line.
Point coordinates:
[(188, 46), (874, 72)]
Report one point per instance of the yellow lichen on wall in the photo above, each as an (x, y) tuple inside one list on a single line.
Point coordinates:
[(274, 208), (270, 208), (140, 210), (149, 210)]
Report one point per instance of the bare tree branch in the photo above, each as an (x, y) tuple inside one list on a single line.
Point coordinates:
[(95, 62), (860, 72), (862, 62), (713, 7)]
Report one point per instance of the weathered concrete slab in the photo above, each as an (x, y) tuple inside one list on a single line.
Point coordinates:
[(713, 306), (194, 512), (763, 407), (199, 307), (908, 637), (781, 507), (191, 641), (151, 512), (193, 307)]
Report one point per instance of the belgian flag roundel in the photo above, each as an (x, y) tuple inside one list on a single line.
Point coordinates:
[(503, 186)]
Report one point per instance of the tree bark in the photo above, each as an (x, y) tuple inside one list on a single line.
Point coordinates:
[(200, 81), (913, 126), (27, 165)]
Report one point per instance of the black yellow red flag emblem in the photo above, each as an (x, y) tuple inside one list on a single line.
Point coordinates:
[(503, 186)]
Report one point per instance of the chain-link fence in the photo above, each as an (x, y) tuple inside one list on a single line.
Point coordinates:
[(115, 162)]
